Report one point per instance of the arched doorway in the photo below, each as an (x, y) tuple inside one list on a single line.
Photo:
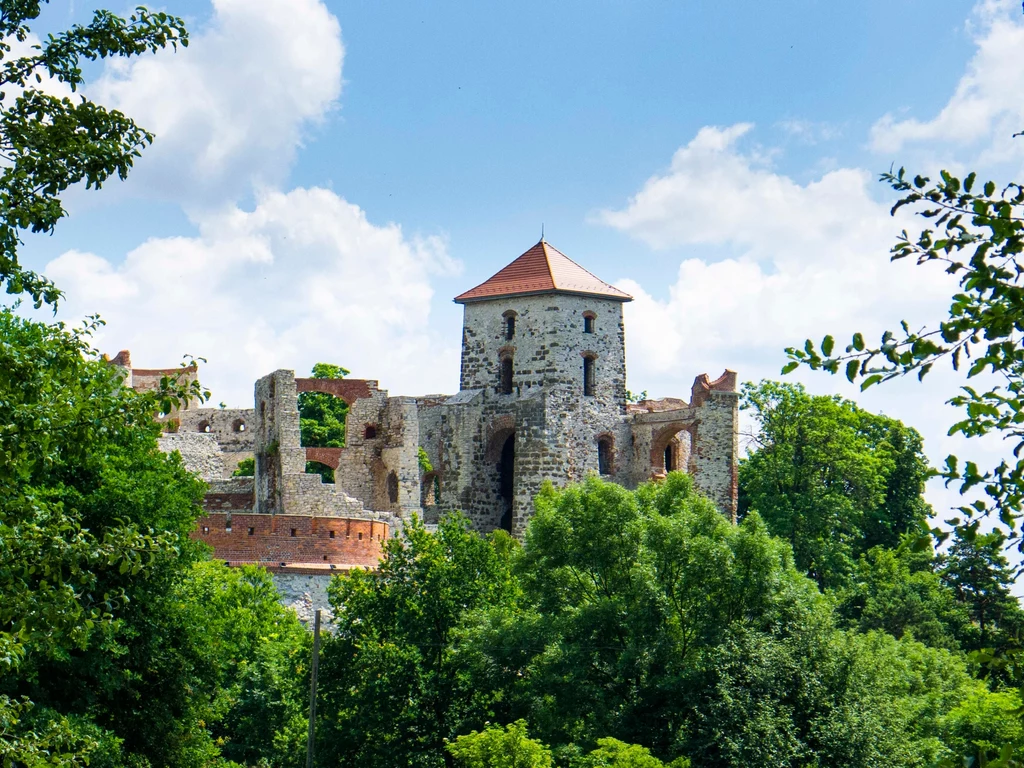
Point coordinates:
[(506, 472)]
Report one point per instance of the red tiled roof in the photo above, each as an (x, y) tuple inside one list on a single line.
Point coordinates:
[(542, 269)]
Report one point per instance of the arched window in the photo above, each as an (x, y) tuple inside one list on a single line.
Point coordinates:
[(670, 458), (238, 426), (510, 326), (605, 448), (204, 426), (588, 322), (506, 375), (589, 375), (370, 432)]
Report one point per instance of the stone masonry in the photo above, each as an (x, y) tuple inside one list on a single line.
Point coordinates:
[(542, 396)]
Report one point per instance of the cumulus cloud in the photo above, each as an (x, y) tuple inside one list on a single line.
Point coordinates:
[(302, 277), (987, 106), (796, 259), (780, 261), (230, 110)]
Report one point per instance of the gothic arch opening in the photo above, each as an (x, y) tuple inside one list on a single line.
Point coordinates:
[(671, 448)]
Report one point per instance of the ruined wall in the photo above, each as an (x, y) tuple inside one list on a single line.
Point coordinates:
[(282, 485), (230, 428)]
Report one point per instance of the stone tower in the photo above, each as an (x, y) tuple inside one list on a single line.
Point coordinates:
[(543, 347)]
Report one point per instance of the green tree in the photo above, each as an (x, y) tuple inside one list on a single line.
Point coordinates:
[(977, 234), (245, 468), (647, 617), (612, 753), (94, 539), (900, 592), (831, 478), (498, 747), (979, 575), (261, 655), (394, 682), (50, 143)]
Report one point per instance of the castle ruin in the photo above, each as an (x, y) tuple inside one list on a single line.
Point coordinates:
[(542, 396)]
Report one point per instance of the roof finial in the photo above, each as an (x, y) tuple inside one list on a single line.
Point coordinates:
[(542, 231)]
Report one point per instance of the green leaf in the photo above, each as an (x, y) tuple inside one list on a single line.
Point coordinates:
[(790, 367), (826, 346), (852, 367)]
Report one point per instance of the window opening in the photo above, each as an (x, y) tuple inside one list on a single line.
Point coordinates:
[(294, 531), (252, 531), (588, 376), (370, 433), (604, 456), (331, 535), (506, 375), (510, 327), (670, 463), (588, 324), (506, 471)]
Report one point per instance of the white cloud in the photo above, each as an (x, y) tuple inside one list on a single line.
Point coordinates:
[(795, 261), (303, 277), (987, 106), (229, 111)]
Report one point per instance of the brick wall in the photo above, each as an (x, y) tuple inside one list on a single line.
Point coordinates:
[(274, 539)]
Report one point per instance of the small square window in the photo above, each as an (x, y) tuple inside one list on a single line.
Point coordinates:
[(294, 531), (206, 529), (331, 534), (252, 531)]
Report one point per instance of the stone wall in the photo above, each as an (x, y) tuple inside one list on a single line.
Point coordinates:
[(305, 593)]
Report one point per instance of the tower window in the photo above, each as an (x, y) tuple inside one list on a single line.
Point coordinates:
[(370, 432), (588, 376), (604, 455), (588, 323), (510, 326), (506, 375)]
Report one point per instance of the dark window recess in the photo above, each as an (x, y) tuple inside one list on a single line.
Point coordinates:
[(294, 531), (252, 531), (392, 484), (506, 375), (332, 534), (670, 463), (510, 327), (588, 324), (604, 456), (360, 536), (370, 433), (588, 376)]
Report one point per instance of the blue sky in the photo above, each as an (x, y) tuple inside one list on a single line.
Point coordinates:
[(327, 176)]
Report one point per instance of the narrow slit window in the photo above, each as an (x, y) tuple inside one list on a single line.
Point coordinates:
[(510, 327), (588, 376), (604, 456), (588, 324), (506, 375)]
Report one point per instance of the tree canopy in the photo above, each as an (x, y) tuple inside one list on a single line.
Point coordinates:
[(49, 143), (831, 478)]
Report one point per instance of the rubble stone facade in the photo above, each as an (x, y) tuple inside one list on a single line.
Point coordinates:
[(542, 396)]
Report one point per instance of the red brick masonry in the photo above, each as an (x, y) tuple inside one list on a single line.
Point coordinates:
[(277, 541)]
